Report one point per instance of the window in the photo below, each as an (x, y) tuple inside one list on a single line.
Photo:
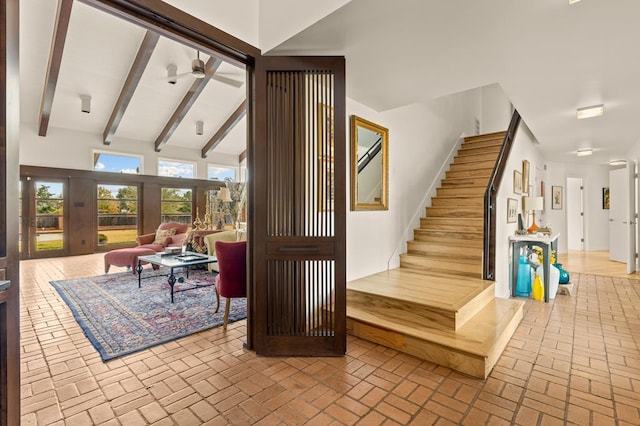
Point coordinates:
[(223, 173), (117, 214), (177, 205), (116, 163), (174, 168), (49, 215)]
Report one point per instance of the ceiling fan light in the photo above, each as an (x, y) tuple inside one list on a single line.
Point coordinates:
[(584, 152), (198, 74), (590, 111)]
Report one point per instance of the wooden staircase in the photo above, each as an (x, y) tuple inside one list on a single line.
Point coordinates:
[(436, 306)]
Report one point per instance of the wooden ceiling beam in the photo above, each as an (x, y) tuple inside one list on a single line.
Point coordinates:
[(147, 47), (187, 102), (225, 128), (58, 38), (242, 156)]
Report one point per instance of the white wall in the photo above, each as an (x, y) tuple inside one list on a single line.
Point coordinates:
[(282, 19), (70, 149), (238, 18), (496, 109), (596, 219), (524, 148), (421, 137)]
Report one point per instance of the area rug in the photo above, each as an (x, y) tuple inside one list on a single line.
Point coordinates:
[(119, 318)]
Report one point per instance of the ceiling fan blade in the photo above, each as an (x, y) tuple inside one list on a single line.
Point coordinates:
[(227, 80)]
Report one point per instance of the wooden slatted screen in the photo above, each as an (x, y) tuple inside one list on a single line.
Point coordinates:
[(301, 294)]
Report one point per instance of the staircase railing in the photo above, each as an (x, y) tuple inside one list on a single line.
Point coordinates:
[(370, 154), (490, 199)]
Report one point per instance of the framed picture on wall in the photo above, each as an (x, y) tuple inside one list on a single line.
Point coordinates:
[(517, 182), (605, 198), (525, 176), (512, 210), (556, 198)]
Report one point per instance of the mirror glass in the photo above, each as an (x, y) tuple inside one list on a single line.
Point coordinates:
[(369, 165)]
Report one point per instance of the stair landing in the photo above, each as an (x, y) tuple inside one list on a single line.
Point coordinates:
[(449, 320)]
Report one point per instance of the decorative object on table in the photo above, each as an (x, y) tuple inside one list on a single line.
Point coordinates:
[(118, 318), (546, 230), (517, 182), (556, 198), (531, 204), (525, 178), (523, 286), (520, 224), (538, 288), (512, 210), (564, 275), (605, 198)]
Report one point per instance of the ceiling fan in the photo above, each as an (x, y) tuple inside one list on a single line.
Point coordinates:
[(198, 71)]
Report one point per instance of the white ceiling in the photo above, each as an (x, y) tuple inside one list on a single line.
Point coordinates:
[(548, 56), (98, 54)]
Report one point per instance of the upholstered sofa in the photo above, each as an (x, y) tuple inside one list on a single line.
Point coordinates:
[(210, 241), (167, 234)]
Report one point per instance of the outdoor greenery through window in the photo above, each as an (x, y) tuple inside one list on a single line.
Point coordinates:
[(49, 215), (177, 205), (117, 214)]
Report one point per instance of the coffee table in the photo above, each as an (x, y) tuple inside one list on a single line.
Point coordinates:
[(175, 261)]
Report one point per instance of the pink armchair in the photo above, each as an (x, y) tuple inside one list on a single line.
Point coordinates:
[(158, 241), (232, 280)]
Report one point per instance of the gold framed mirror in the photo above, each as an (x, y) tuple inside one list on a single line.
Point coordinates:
[(369, 165)]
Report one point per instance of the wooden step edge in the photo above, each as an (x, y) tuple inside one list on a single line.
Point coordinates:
[(446, 258), (486, 136), (473, 349)]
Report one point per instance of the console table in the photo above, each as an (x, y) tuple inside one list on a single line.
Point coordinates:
[(546, 243)]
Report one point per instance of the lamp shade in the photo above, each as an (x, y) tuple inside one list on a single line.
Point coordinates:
[(532, 203), (224, 195)]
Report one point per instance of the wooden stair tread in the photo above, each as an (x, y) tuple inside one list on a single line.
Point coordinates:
[(486, 136), (478, 336), (442, 291)]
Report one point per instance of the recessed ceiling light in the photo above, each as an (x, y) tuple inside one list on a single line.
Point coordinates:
[(590, 111), (617, 162), (584, 152), (573, 1)]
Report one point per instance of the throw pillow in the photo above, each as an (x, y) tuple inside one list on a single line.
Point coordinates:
[(163, 234)]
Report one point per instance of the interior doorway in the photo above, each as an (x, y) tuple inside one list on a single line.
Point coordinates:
[(575, 214)]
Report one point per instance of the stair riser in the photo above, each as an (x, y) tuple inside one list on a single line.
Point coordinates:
[(472, 166), (457, 201), (462, 221), (471, 269), (475, 150), (453, 227), (470, 256), (454, 212), (486, 173), (409, 314), (489, 137), (449, 238), (474, 158), (470, 364), (469, 181), (477, 191)]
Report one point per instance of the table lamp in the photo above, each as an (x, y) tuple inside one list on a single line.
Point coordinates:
[(532, 204)]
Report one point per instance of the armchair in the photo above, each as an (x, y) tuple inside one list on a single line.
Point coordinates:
[(232, 280), (210, 240), (167, 234)]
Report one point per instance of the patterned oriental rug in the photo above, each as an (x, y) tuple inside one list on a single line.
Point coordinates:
[(119, 318)]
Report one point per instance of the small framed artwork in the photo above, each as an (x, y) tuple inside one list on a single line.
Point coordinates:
[(605, 198), (512, 210), (556, 198), (517, 182), (525, 175)]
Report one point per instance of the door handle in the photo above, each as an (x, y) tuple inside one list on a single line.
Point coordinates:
[(299, 249)]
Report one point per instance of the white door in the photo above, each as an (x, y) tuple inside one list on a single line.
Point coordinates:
[(575, 224), (621, 216)]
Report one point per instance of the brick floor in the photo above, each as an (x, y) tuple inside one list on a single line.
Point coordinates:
[(575, 360)]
